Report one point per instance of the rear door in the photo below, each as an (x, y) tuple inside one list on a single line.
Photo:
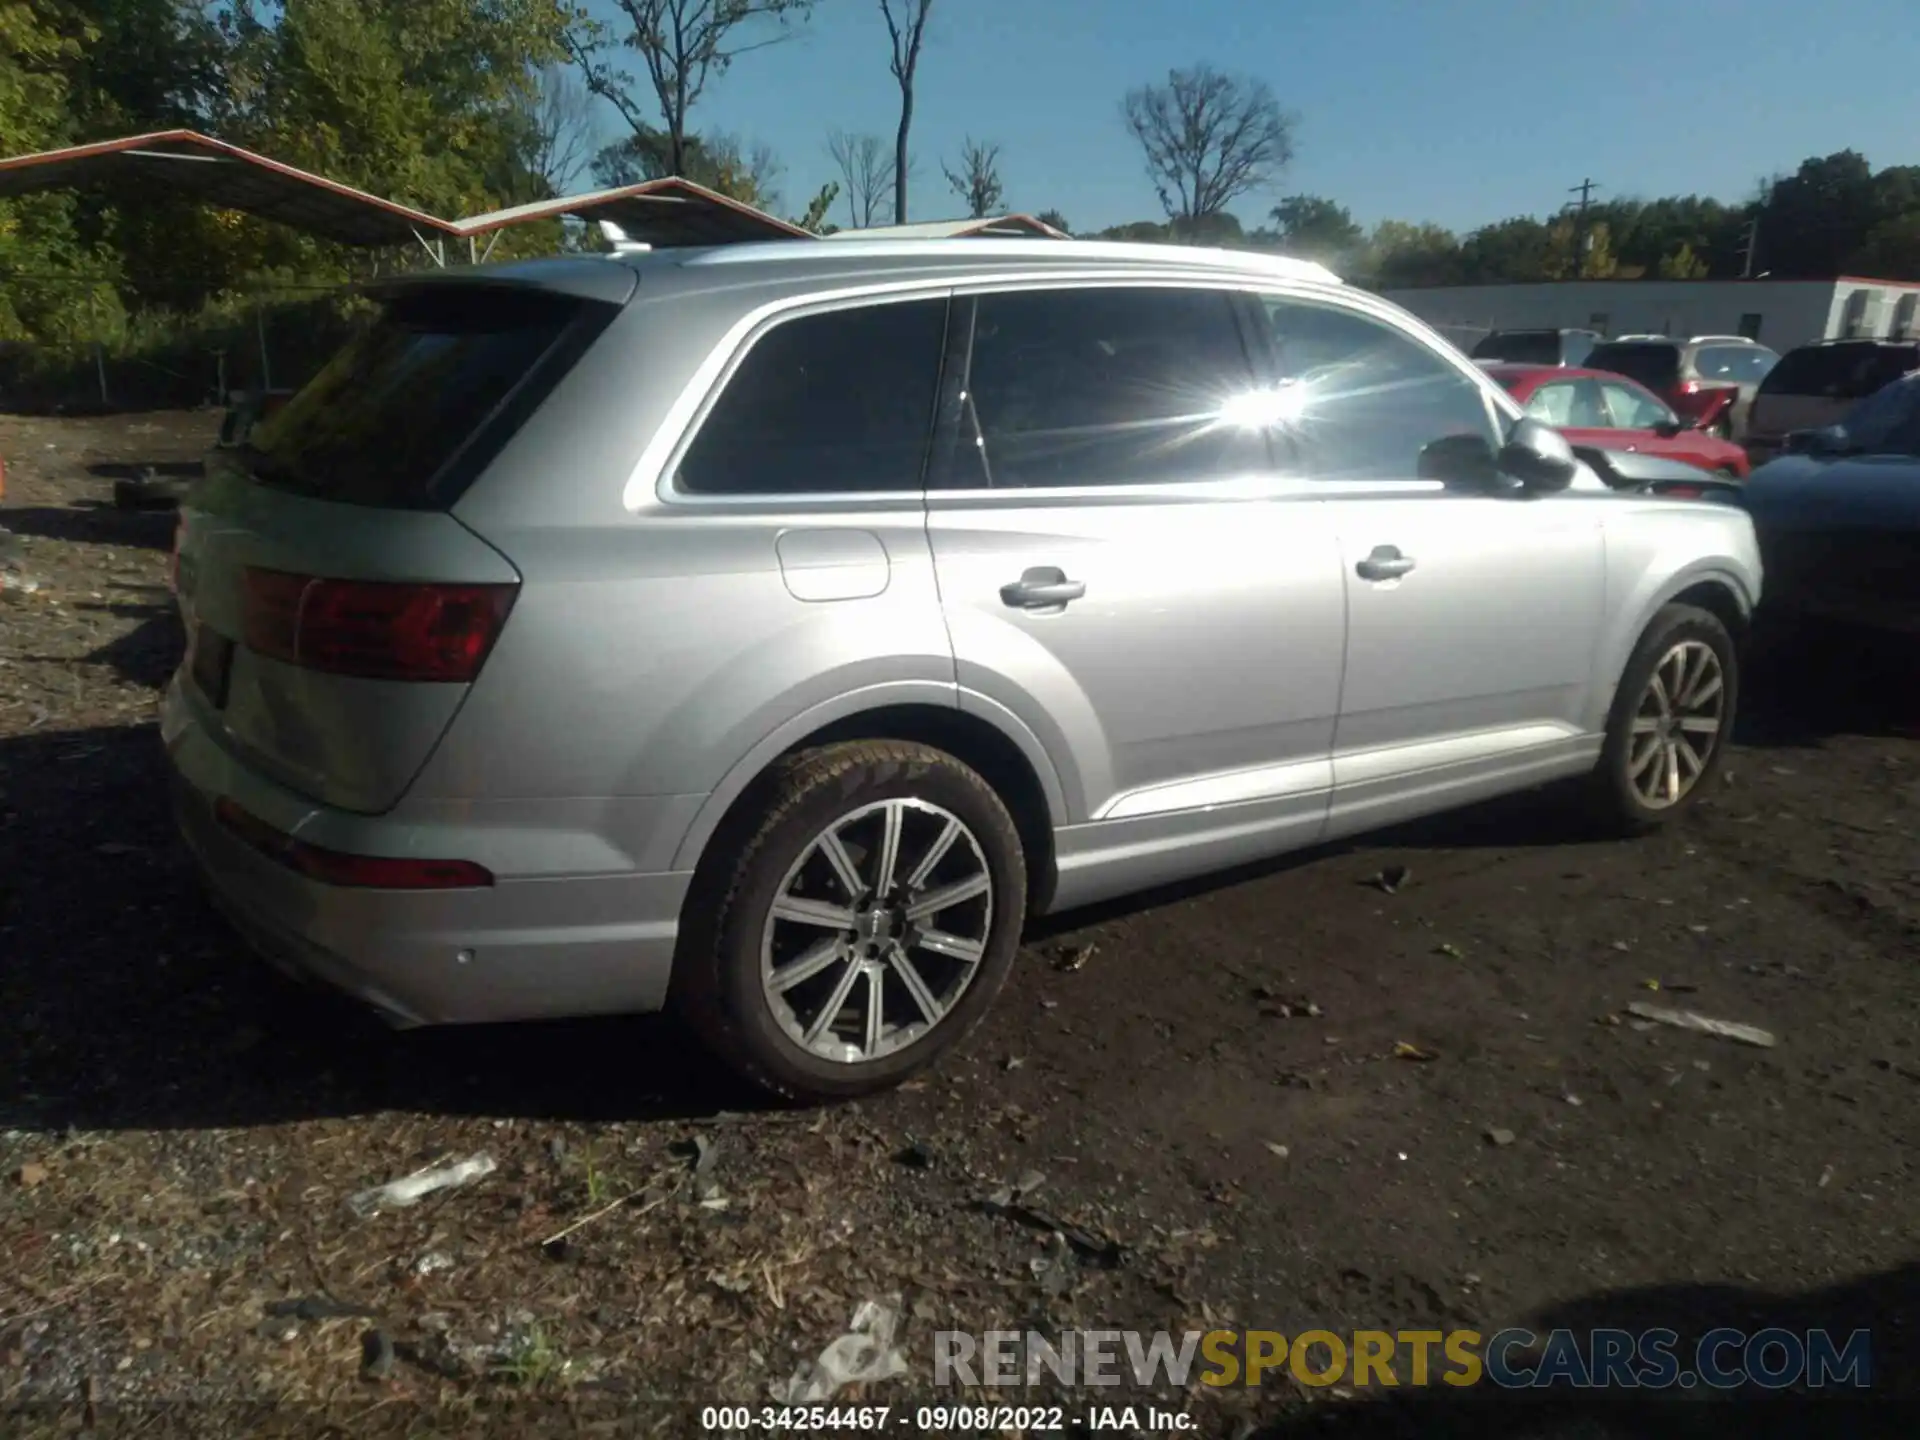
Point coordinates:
[(1815, 386), (1637, 415), (1119, 566), (336, 612), (1576, 408)]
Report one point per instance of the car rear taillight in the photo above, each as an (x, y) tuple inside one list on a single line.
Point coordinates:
[(1684, 492), (1689, 387), (360, 872), (375, 630)]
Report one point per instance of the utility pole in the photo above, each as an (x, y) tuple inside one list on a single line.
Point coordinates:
[(1585, 191)]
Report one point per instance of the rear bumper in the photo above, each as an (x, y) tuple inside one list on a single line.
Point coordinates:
[(519, 950)]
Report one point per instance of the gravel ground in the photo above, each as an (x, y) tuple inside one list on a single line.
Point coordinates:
[(1287, 1100)]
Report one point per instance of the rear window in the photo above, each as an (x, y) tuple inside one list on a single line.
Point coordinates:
[(1654, 365), (1520, 347), (1840, 372), (410, 410)]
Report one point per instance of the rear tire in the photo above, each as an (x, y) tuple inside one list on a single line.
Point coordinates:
[(810, 962), (1671, 720)]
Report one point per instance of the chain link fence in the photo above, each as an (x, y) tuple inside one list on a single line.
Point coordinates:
[(272, 338)]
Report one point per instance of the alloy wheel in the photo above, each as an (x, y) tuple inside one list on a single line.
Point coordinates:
[(1677, 724), (877, 930)]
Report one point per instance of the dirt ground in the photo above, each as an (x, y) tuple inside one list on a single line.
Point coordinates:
[(1288, 1099)]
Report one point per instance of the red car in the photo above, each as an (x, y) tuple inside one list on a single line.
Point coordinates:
[(1611, 412)]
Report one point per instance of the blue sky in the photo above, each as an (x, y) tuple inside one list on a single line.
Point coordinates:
[(1456, 111)]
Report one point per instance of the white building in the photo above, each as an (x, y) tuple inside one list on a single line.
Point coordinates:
[(1778, 313)]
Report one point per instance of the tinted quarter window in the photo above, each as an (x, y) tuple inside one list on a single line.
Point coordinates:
[(1365, 401), (838, 401), (1521, 347), (1840, 372), (420, 400), (1110, 386)]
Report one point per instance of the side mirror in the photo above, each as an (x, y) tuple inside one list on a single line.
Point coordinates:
[(1667, 429), (1538, 456)]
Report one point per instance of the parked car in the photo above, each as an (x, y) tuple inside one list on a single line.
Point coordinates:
[(767, 631), (1708, 379), (1838, 517), (1536, 347), (1611, 412), (1815, 385)]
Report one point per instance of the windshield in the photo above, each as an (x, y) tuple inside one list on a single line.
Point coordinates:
[(1840, 372), (1654, 365), (1887, 422), (1520, 347)]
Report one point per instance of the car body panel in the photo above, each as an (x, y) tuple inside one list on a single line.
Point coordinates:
[(1194, 709)]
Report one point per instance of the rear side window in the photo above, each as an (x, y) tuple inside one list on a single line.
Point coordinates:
[(1840, 372), (408, 412), (829, 403), (1570, 405), (1119, 386), (1654, 365)]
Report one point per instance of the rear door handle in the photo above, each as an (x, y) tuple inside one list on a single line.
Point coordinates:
[(1385, 563), (1044, 587)]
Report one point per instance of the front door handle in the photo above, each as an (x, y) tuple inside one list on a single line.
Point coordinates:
[(1385, 563), (1044, 587)]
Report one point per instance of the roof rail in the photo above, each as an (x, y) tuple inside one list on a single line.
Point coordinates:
[(1250, 262), (1730, 339)]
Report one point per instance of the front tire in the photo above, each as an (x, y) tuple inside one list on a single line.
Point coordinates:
[(1671, 720), (861, 928)]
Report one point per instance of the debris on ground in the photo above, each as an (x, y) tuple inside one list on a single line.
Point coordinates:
[(706, 1190), (865, 1354), (410, 1189), (376, 1355), (1277, 1148), (1497, 1135), (1390, 879), (1101, 1251), (30, 1174), (915, 1155), (1704, 1024), (318, 1307), (1406, 1050), (1074, 957), (432, 1263)]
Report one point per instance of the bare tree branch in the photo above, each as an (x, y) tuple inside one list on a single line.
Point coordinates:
[(563, 128), (908, 31), (866, 175), (976, 178), (682, 44), (1208, 138)]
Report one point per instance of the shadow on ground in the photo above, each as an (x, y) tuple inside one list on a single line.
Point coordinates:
[(126, 1004), (1886, 1305), (93, 524)]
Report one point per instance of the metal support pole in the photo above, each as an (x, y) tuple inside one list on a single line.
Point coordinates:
[(492, 240), (260, 332)]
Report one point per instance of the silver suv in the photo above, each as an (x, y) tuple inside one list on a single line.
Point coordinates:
[(769, 630)]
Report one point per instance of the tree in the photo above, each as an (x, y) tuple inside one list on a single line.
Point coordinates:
[(815, 218), (748, 174), (1682, 264), (1056, 220), (683, 44), (1208, 138), (976, 178), (561, 129), (865, 175), (1892, 249), (908, 32), (1316, 228), (1812, 220), (1403, 254)]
